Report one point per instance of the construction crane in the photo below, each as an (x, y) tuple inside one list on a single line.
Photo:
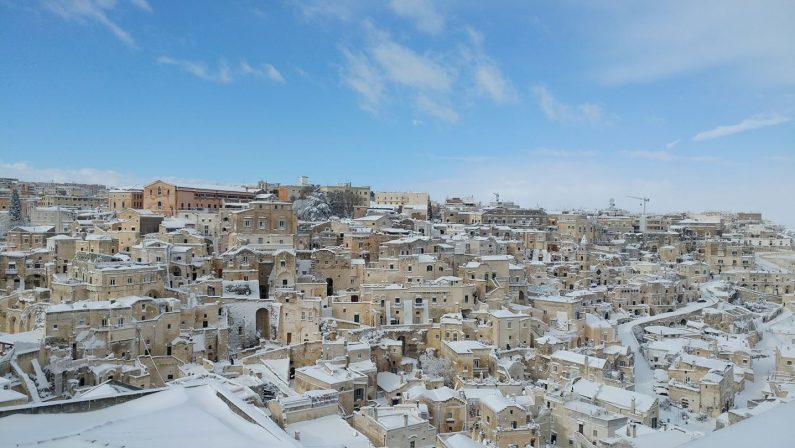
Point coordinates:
[(643, 202)]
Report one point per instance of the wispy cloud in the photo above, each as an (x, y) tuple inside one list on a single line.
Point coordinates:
[(266, 71), (386, 65), (563, 153), (489, 79), (25, 171), (323, 9), (461, 158), (751, 123), (95, 12), (436, 109), (363, 77), (423, 13), (652, 155), (385, 69), (667, 156), (558, 111), (404, 66), (223, 73), (681, 37), (671, 145)]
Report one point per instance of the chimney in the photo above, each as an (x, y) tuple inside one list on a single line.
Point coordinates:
[(297, 435), (633, 404), (405, 420), (348, 363), (634, 427)]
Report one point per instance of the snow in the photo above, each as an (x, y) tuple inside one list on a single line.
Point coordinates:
[(328, 431), (465, 347), (461, 441), (577, 358), (8, 395), (614, 395), (644, 381), (389, 381), (179, 416), (773, 428), (496, 403)]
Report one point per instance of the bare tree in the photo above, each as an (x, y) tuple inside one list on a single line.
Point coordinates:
[(343, 202)]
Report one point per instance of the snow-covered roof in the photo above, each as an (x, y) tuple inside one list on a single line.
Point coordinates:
[(177, 416), (577, 358), (328, 431), (614, 395)]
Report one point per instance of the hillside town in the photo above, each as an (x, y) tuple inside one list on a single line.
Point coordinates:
[(307, 315)]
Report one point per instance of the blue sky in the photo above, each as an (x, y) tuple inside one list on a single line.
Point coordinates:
[(558, 104)]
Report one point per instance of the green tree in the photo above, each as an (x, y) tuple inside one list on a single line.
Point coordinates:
[(15, 217)]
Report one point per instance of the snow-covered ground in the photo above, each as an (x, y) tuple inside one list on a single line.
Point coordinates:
[(644, 374)]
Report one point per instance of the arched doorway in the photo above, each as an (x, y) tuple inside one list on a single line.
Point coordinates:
[(329, 286)]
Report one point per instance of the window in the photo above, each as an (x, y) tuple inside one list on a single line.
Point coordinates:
[(112, 281), (104, 321), (129, 280), (247, 222)]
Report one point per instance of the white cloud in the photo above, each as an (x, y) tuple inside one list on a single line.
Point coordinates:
[(557, 111), (142, 5), (463, 158), (363, 78), (751, 123), (563, 153), (324, 9), (386, 69), (667, 156), (652, 155), (266, 71), (435, 109), (404, 66), (24, 171), (488, 78), (567, 183), (94, 11), (671, 145), (422, 12), (674, 38), (491, 82), (221, 74)]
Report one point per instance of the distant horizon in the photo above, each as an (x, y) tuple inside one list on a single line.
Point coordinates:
[(630, 205), (567, 103)]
